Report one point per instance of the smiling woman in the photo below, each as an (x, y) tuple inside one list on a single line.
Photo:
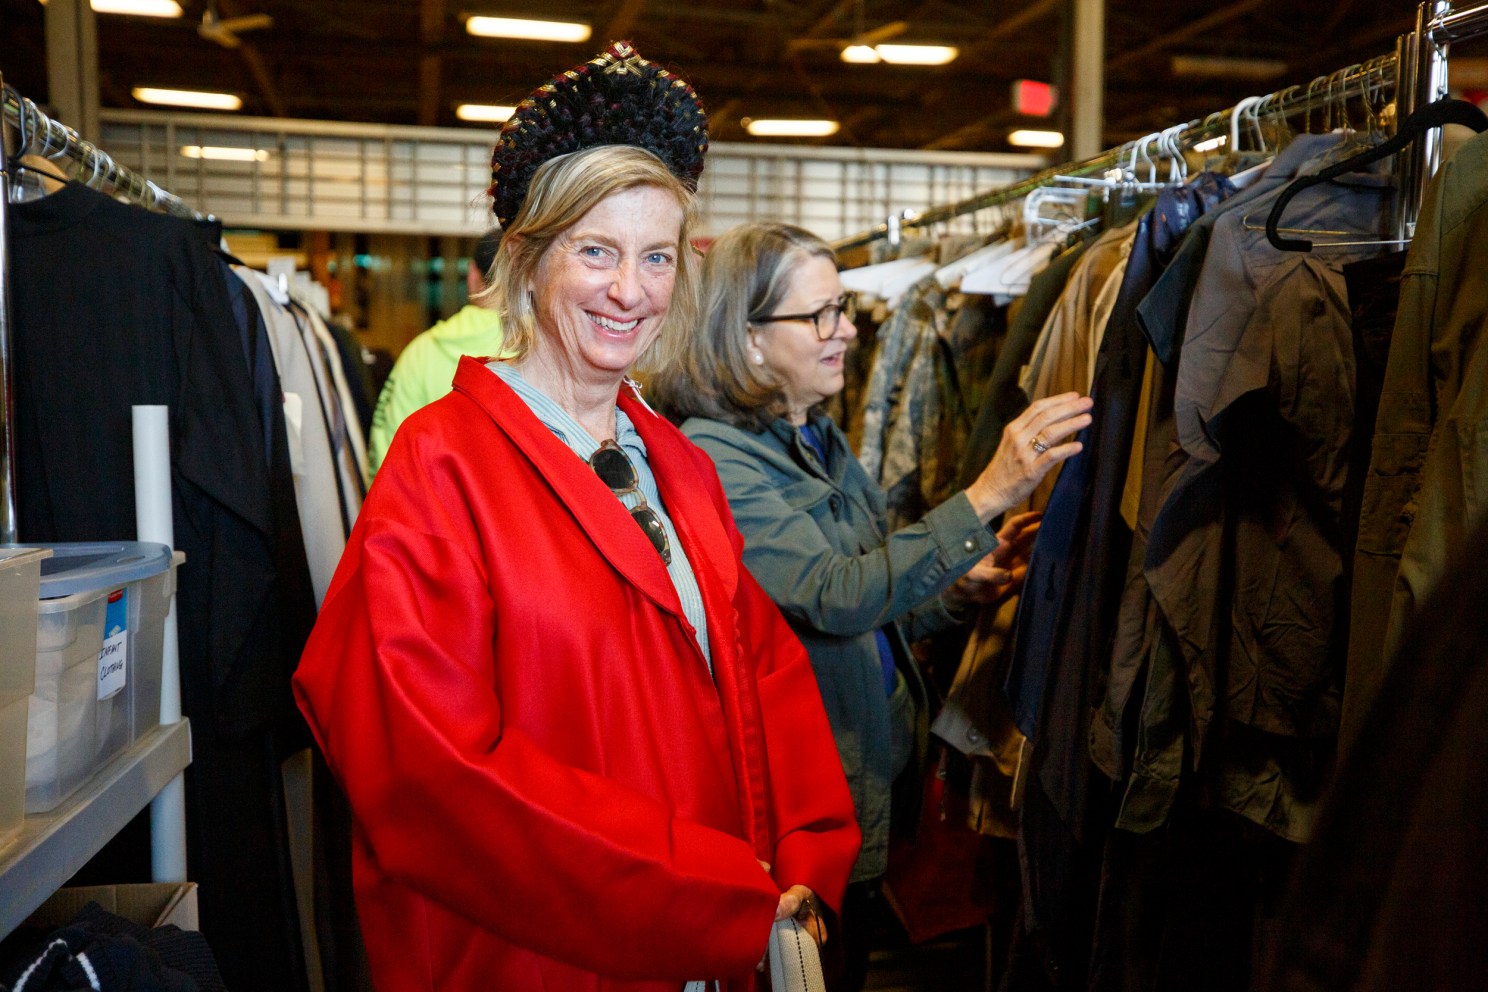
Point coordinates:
[(583, 749)]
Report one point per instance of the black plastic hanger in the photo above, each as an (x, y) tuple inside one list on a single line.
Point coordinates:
[(1429, 117)]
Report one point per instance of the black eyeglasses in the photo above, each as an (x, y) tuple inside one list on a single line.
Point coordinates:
[(825, 319), (614, 468)]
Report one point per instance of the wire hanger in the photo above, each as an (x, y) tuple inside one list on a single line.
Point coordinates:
[(1429, 117)]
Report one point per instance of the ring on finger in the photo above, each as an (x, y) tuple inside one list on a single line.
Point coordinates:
[(1038, 444)]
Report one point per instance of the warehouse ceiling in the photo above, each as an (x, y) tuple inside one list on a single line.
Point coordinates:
[(412, 61)]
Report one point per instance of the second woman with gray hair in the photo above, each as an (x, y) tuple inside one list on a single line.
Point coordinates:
[(776, 327)]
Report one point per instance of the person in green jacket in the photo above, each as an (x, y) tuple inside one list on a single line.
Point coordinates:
[(776, 326), (426, 368)]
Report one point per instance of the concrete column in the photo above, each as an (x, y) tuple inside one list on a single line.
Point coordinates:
[(72, 65), (1087, 80)]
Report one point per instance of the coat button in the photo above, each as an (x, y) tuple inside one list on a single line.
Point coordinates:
[(835, 502), (969, 545), (974, 736)]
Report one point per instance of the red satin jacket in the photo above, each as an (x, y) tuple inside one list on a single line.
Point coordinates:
[(549, 792)]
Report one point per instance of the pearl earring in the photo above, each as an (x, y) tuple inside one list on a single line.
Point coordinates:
[(759, 358)]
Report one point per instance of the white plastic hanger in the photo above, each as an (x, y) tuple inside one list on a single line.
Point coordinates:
[(949, 276), (875, 280)]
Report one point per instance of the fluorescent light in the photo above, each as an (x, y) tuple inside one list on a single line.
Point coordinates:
[(917, 54), (484, 112), (1036, 139), (224, 154), (1211, 144), (527, 30), (862, 54), (188, 98), (790, 128), (142, 8)]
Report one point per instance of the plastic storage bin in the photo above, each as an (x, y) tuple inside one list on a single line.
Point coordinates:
[(99, 636), (20, 573)]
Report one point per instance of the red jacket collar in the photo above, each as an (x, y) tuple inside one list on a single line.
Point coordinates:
[(673, 461)]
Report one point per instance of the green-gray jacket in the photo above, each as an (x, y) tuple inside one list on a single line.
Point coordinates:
[(815, 538)]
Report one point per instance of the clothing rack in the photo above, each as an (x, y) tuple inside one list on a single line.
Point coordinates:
[(29, 131), (1416, 74)]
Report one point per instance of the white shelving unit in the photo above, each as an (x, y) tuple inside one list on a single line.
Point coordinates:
[(53, 846)]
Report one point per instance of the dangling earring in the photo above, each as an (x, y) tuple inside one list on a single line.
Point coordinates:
[(759, 358)]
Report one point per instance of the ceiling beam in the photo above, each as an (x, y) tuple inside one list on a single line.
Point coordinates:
[(1167, 40), (431, 63), (829, 20), (971, 136), (621, 22), (992, 41), (258, 68)]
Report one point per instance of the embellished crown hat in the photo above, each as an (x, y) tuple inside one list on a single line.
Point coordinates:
[(616, 98)]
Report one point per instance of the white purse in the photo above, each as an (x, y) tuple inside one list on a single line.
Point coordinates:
[(795, 964)]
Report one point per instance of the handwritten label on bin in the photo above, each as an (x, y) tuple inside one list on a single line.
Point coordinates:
[(113, 660)]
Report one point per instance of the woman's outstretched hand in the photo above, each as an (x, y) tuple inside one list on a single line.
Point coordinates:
[(1000, 574), (1031, 446)]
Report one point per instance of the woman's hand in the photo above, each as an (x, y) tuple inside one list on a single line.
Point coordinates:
[(1031, 446), (1000, 574), (797, 901)]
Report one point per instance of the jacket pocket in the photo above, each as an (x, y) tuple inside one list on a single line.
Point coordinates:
[(815, 498)]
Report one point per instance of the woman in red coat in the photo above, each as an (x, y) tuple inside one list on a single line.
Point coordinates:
[(582, 748)]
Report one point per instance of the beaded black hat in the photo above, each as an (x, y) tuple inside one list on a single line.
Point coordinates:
[(616, 98)]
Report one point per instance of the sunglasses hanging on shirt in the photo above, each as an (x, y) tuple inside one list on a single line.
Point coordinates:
[(615, 469)]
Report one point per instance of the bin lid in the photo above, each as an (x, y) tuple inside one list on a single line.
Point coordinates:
[(81, 567)]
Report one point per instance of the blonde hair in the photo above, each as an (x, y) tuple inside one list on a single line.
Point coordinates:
[(562, 191), (746, 273)]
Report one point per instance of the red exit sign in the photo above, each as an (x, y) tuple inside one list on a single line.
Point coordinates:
[(1034, 99)]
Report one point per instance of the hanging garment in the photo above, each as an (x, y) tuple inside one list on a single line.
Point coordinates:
[(1374, 302), (114, 306), (1426, 469), (1251, 302), (885, 391), (1389, 893), (1079, 560), (1063, 357), (1003, 399), (324, 512), (340, 406), (1067, 617)]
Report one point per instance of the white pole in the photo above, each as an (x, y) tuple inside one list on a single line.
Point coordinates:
[(152, 514), (1088, 68)]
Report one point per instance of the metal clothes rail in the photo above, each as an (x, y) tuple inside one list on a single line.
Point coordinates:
[(38, 134), (1415, 73)]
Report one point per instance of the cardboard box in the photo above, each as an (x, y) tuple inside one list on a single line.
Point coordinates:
[(153, 904)]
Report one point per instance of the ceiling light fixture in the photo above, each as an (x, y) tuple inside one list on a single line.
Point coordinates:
[(223, 153), (861, 54), (140, 8), (188, 98), (795, 128), (525, 29), (1036, 139), (917, 54), (486, 113)]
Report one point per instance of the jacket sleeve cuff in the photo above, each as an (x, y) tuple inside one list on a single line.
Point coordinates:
[(962, 538)]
